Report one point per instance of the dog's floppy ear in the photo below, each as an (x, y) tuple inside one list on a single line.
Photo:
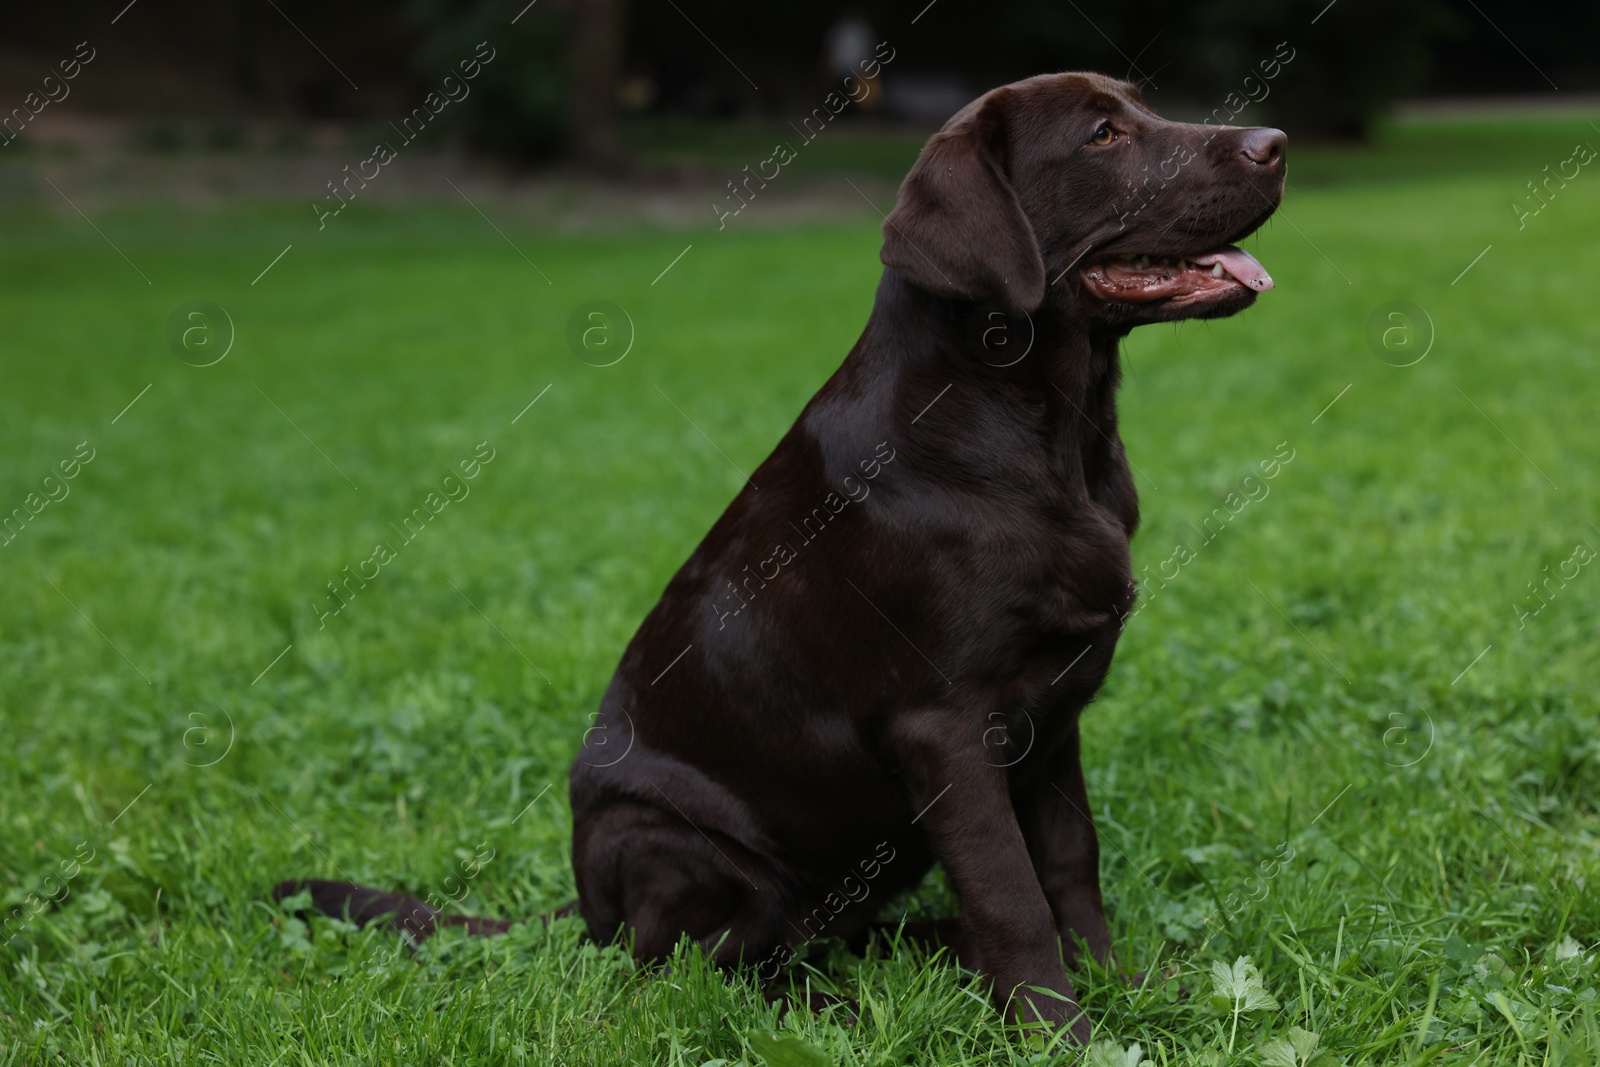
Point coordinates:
[(958, 228)]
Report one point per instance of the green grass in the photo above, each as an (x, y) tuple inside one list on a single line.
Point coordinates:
[(1297, 690)]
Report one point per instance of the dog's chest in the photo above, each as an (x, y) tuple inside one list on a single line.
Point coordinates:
[(1068, 569)]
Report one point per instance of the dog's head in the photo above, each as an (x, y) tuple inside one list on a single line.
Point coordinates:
[(1069, 182)]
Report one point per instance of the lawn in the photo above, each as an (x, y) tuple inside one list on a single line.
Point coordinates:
[(1345, 740)]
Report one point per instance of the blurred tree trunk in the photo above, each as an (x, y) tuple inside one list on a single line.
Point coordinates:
[(596, 63)]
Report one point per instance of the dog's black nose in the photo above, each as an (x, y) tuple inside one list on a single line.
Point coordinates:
[(1264, 147)]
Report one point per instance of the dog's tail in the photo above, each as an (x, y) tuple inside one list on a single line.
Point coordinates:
[(414, 919)]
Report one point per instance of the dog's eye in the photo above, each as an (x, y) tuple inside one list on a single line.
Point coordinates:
[(1104, 135)]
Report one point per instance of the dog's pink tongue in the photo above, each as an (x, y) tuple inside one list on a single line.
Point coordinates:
[(1241, 264)]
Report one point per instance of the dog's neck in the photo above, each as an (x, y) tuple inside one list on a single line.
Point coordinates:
[(1080, 368), (1063, 391)]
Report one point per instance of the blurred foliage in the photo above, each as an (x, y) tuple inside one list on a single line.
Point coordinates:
[(1339, 76), (722, 59), (1349, 60), (518, 108)]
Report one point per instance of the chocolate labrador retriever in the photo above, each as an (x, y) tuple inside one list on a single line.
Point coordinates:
[(876, 659)]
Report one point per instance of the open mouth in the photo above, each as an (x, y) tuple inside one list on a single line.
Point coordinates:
[(1143, 278)]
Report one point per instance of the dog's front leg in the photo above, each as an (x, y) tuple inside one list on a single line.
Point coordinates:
[(964, 807), (1053, 811)]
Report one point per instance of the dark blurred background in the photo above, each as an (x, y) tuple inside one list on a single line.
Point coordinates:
[(584, 80)]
